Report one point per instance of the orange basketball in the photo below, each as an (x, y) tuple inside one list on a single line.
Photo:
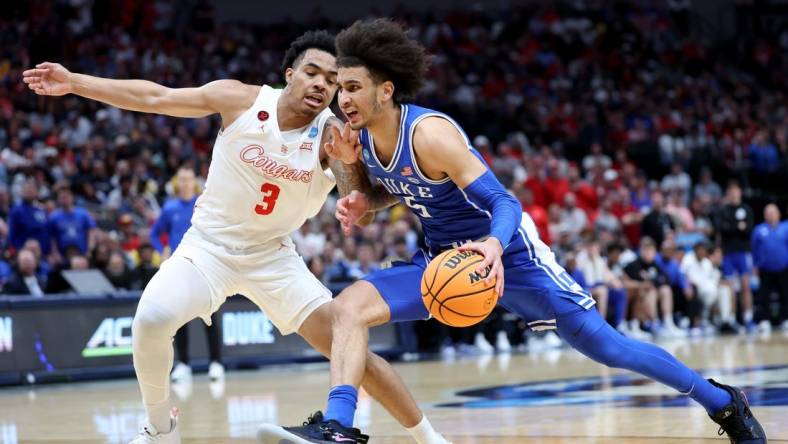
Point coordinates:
[(454, 292)]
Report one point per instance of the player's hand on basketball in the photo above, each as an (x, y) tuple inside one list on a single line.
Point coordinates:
[(492, 250), (350, 209), (48, 79), (344, 146)]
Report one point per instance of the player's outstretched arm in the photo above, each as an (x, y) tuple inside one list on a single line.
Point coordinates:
[(442, 151), (226, 97)]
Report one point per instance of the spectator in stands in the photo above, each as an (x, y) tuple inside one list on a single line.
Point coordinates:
[(145, 270), (43, 269), (574, 218), (669, 262), (764, 155), (710, 289), (606, 287), (734, 225), (176, 214), (366, 263), (706, 186), (24, 281), (677, 181), (117, 272), (596, 158), (657, 224), (71, 225), (56, 283), (28, 220), (770, 257), (652, 285)]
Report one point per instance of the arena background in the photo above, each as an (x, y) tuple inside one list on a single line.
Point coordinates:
[(666, 92)]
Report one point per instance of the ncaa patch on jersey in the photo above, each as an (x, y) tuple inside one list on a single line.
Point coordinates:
[(407, 171), (312, 132), (262, 116)]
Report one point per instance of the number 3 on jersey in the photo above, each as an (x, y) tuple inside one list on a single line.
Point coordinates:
[(270, 194)]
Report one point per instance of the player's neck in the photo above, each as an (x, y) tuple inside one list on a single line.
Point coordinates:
[(385, 129), (287, 117)]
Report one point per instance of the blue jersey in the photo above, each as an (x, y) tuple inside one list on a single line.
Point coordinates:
[(71, 228), (28, 221), (175, 220), (447, 217)]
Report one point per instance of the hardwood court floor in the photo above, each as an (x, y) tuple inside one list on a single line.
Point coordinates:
[(549, 397)]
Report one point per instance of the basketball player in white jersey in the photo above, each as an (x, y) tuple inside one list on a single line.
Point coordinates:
[(267, 176)]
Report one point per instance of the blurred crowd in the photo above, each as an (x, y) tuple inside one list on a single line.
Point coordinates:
[(632, 142)]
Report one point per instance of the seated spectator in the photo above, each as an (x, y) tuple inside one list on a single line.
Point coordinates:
[(649, 284), (44, 268), (28, 220), (677, 181), (56, 282), (24, 281), (366, 263), (117, 272), (706, 186), (709, 286), (669, 261), (605, 287), (574, 218), (145, 269)]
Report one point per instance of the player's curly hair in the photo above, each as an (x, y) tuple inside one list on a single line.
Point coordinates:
[(322, 40), (384, 48)]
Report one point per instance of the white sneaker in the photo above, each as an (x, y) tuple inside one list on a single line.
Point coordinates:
[(215, 371), (784, 326), (149, 435), (181, 372), (448, 351), (764, 327), (483, 345), (502, 343), (638, 334)]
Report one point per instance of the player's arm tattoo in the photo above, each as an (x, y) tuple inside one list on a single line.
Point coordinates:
[(379, 198), (348, 177)]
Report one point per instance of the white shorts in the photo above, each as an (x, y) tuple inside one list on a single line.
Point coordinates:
[(272, 275)]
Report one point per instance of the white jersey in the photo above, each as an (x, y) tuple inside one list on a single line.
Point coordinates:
[(261, 185)]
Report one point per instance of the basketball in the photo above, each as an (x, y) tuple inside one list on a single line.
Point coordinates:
[(454, 292)]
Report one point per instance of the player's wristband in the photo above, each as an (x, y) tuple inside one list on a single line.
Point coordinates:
[(506, 213)]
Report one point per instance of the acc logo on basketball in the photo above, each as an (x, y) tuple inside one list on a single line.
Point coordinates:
[(111, 338), (6, 334), (246, 328)]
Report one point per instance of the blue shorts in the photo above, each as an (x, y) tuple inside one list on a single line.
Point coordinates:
[(738, 263), (535, 286)]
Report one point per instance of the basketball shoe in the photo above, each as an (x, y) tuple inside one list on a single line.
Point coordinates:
[(149, 435), (736, 419), (314, 430)]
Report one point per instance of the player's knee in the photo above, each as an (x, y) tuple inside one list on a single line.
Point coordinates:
[(355, 307), (151, 321)]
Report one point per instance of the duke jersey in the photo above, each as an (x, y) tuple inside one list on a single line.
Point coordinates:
[(447, 216), (536, 286), (261, 185)]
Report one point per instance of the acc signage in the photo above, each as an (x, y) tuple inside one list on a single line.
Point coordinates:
[(111, 338), (6, 334), (246, 328)]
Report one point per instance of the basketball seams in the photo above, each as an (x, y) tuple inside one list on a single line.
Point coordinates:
[(437, 268), (449, 279)]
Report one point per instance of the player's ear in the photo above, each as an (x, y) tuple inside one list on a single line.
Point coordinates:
[(385, 91), (289, 72)]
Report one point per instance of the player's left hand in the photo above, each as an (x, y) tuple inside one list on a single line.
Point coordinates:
[(343, 146), (492, 250)]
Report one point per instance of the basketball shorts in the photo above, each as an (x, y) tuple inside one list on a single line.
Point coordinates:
[(535, 286), (270, 274), (736, 263)]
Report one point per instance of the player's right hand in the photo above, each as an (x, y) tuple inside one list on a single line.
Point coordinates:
[(48, 79), (344, 146), (350, 209)]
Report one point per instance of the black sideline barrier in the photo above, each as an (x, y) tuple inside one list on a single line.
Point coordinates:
[(67, 337)]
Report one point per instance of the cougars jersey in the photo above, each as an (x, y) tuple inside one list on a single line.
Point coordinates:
[(262, 185)]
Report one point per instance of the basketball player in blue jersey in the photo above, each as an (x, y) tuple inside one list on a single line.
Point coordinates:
[(423, 158)]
